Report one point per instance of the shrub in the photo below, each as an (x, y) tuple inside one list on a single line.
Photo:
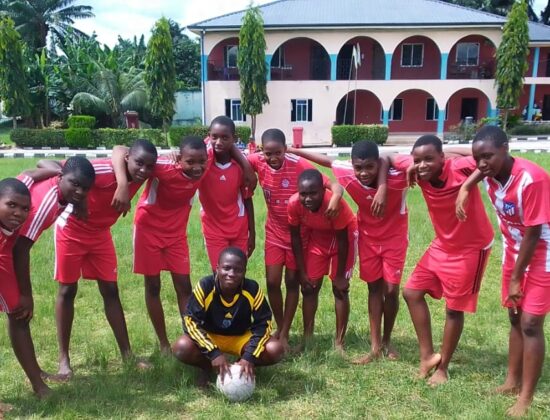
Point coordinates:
[(26, 137), (109, 137), (78, 137), (538, 129), (179, 132), (81, 121), (346, 135), (243, 132)]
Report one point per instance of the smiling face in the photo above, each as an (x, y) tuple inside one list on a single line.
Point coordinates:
[(366, 170), (428, 162), (193, 162), (141, 164), (230, 273), (14, 209), (74, 186), (274, 153), (222, 138), (489, 158)]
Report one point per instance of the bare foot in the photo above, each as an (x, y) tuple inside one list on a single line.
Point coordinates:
[(519, 409), (166, 350), (43, 391), (284, 343), (439, 377), (427, 365), (367, 358), (65, 372), (507, 389), (339, 348), (142, 364), (391, 353)]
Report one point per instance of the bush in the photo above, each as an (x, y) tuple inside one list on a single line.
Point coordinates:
[(179, 132), (78, 137), (81, 121), (26, 137), (109, 137), (346, 135), (538, 129), (243, 132)]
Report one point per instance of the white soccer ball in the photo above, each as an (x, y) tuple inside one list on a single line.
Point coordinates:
[(235, 387)]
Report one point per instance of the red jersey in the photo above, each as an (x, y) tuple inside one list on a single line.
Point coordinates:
[(317, 222), (222, 199), (393, 227), (165, 204), (101, 215), (451, 234), (46, 206), (524, 201), (278, 186), (7, 241)]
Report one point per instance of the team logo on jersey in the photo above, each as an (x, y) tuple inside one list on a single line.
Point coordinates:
[(285, 183), (509, 208), (226, 323), (222, 178)]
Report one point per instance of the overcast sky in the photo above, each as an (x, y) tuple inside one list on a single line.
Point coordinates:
[(136, 17)]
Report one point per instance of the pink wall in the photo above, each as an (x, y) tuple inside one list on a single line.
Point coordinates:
[(216, 59), (543, 62), (414, 114), (486, 62), (431, 64), (297, 53), (371, 52), (368, 108), (455, 106)]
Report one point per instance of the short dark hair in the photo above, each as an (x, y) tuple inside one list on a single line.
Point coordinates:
[(192, 142), (13, 185), (233, 250), (274, 134), (311, 175), (365, 149), (81, 165), (223, 121), (491, 133), (429, 139), (144, 144)]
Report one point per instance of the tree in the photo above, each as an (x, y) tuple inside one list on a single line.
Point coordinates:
[(160, 73), (13, 84), (252, 66), (512, 59), (187, 56), (35, 19)]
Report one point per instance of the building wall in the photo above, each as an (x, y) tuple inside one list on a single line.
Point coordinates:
[(431, 65), (414, 114)]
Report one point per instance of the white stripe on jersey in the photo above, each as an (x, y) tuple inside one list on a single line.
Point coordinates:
[(152, 196), (27, 180), (545, 236), (292, 157), (240, 203), (50, 199), (526, 180), (64, 217), (3, 304)]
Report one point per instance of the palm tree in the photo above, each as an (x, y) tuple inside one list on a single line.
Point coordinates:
[(36, 19)]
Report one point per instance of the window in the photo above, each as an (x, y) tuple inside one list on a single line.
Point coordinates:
[(278, 59), (301, 110), (432, 110), (233, 110), (230, 55), (396, 110), (467, 53), (412, 55)]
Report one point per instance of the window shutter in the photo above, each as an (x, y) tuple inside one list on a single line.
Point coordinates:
[(293, 110), (228, 108), (309, 109)]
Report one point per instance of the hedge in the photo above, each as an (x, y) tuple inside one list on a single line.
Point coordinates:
[(109, 137), (346, 135), (178, 133), (530, 129), (77, 138), (26, 137), (81, 121)]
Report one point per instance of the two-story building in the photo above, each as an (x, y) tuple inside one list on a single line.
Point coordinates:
[(424, 65)]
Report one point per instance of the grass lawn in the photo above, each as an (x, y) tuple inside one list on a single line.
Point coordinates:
[(5, 129), (315, 384)]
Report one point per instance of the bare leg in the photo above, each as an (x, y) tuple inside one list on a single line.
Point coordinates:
[(532, 327), (420, 315), (182, 286), (375, 305), (512, 383), (274, 274), (291, 304), (309, 308), (391, 306), (23, 347), (272, 354), (156, 313), (64, 315), (454, 323), (341, 306), (186, 351), (115, 315)]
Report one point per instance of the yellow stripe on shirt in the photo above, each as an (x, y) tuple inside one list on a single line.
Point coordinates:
[(197, 335), (261, 345)]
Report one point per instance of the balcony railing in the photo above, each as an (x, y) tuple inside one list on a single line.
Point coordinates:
[(482, 71)]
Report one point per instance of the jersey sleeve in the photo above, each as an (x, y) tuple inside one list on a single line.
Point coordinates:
[(194, 319), (402, 162), (25, 179), (536, 203), (344, 218), (40, 217), (261, 327), (466, 165), (343, 172), (253, 159), (294, 210)]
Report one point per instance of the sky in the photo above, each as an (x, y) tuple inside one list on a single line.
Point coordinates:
[(136, 17)]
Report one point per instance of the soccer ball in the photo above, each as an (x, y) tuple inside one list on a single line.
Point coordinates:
[(236, 388)]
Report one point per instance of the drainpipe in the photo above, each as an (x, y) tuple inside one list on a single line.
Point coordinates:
[(204, 68)]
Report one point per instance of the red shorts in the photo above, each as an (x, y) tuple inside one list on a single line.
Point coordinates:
[(214, 247), (382, 261), (535, 286), (278, 255), (322, 256), (9, 289), (154, 253), (84, 255), (456, 276)]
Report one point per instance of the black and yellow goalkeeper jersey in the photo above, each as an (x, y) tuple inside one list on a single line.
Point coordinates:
[(208, 312)]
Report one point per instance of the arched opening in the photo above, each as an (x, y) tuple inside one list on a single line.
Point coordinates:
[(417, 57), (467, 104), (413, 111), (300, 59), (472, 57), (222, 60), (372, 60), (359, 107)]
